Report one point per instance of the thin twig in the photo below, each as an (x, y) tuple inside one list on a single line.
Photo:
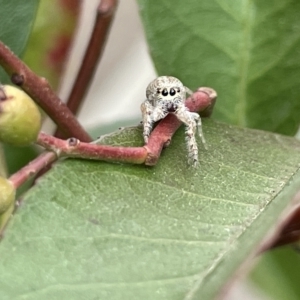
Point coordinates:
[(41, 92), (32, 168), (105, 15), (20, 177), (72, 147), (202, 100)]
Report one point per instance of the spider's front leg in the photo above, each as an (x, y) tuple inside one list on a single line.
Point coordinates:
[(189, 119), (150, 115), (147, 110), (188, 91)]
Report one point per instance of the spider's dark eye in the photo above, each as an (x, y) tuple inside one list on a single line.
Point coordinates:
[(158, 91), (172, 92), (178, 90), (165, 92)]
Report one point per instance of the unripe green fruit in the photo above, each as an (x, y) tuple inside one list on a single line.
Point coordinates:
[(7, 194), (20, 118)]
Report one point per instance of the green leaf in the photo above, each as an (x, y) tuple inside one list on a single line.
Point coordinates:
[(112, 231), (100, 130), (284, 263), (16, 17), (248, 51)]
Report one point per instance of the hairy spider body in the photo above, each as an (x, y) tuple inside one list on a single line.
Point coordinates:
[(166, 95)]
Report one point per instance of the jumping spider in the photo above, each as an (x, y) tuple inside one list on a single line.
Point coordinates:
[(166, 95)]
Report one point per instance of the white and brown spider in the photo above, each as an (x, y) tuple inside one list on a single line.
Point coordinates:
[(166, 95)]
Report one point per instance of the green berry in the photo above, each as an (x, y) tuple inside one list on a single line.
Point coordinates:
[(7, 194), (20, 118)]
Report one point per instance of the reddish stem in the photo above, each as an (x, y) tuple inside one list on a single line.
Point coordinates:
[(74, 148), (290, 232), (105, 14), (41, 92), (32, 168)]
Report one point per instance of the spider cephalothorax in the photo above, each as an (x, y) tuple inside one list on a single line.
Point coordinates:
[(166, 95), (165, 91)]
